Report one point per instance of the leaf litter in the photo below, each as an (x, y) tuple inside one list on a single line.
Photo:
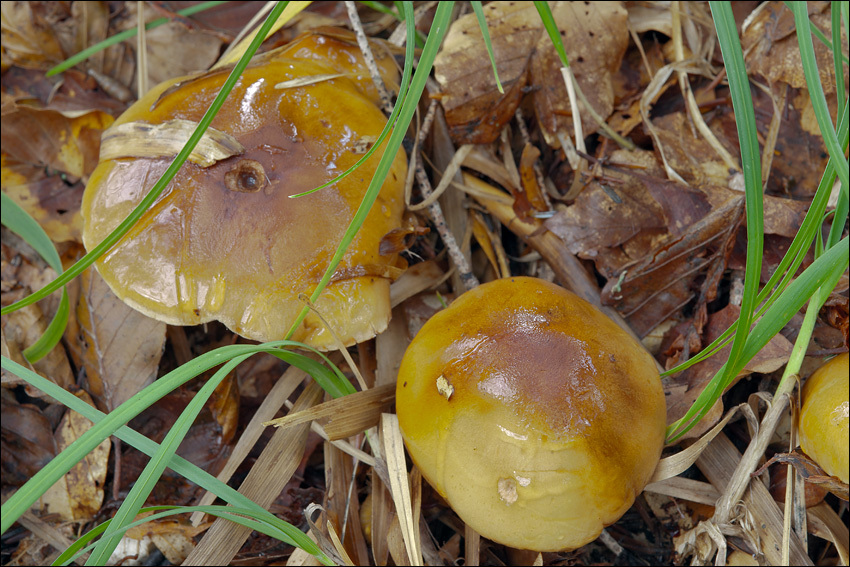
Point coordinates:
[(657, 228)]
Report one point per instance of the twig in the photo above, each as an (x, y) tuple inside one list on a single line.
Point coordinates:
[(363, 42), (141, 53), (464, 270)]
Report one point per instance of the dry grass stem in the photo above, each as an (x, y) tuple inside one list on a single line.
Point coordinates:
[(717, 463), (273, 401), (674, 465), (141, 51), (417, 278), (393, 448), (734, 489), (685, 489), (345, 414), (772, 137), (825, 523), (267, 478), (472, 546), (445, 181), (688, 94)]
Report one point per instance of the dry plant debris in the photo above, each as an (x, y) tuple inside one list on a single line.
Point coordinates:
[(654, 236)]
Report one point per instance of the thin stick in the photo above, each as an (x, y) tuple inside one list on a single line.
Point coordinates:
[(363, 42), (435, 211), (141, 53)]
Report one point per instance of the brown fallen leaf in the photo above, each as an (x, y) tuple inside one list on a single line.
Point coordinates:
[(119, 347), (27, 440), (770, 43), (691, 157), (595, 37), (198, 50), (684, 388), (45, 155), (608, 213), (23, 274), (29, 38), (78, 495)]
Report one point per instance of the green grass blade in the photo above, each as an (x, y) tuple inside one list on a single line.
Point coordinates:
[(163, 181), (796, 252), (46, 477), (828, 268), (140, 442), (810, 70), (552, 29), (277, 529), (156, 466), (837, 64), (739, 88), (408, 108), (402, 94), (378, 7), (482, 23), (127, 34), (21, 223)]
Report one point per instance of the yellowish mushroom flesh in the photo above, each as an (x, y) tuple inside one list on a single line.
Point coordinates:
[(226, 242), (534, 415), (825, 417)]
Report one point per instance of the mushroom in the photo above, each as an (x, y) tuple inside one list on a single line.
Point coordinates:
[(825, 418), (224, 241), (535, 416)]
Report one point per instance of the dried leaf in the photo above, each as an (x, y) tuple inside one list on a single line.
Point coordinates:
[(28, 38), (769, 41), (45, 154), (78, 495), (595, 37), (120, 347), (22, 328), (810, 471), (198, 50), (27, 441)]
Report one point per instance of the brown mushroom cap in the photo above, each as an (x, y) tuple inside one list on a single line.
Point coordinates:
[(825, 417), (226, 242), (533, 414)]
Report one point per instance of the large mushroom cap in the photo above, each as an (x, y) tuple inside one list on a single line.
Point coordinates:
[(225, 242), (533, 414)]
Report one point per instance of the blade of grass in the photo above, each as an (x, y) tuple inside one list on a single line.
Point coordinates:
[(796, 251), (163, 181), (145, 445), (810, 70), (402, 95), (61, 464), (408, 107), (837, 65), (21, 223), (555, 37), (156, 466), (827, 268), (127, 34), (745, 120), (552, 29), (482, 23), (279, 530)]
